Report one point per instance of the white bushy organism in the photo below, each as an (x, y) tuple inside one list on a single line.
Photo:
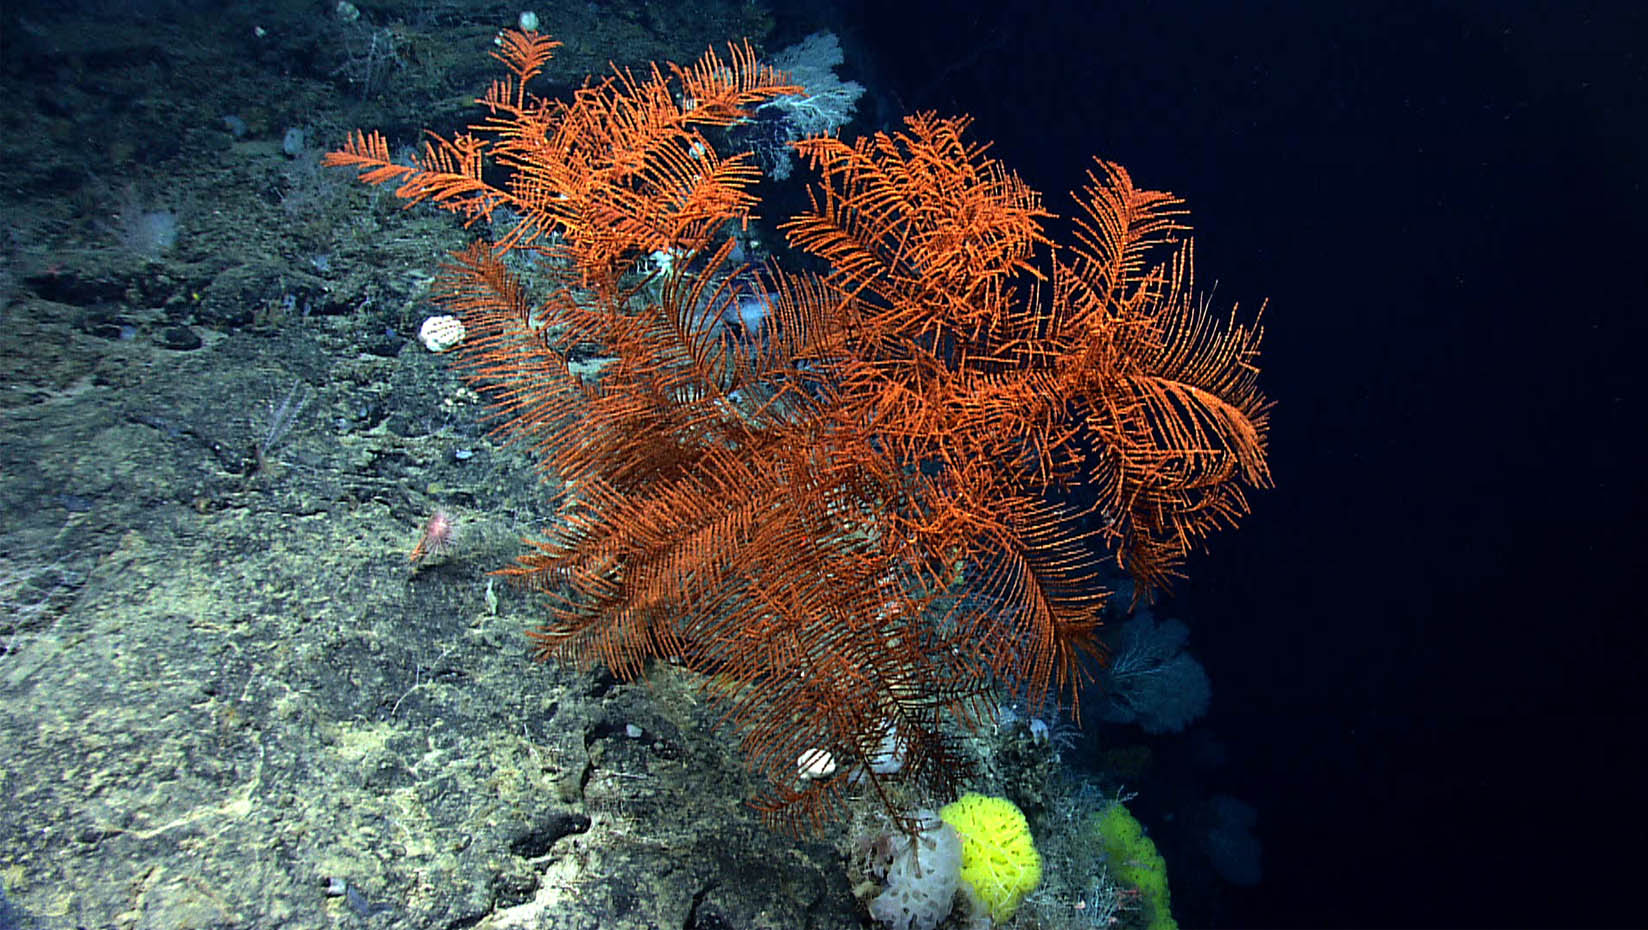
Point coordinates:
[(828, 102), (1230, 843), (1151, 680)]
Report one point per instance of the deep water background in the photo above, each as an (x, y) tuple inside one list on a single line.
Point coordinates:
[(1425, 643)]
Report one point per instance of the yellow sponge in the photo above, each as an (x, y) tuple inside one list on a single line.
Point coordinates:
[(1134, 860), (999, 862)]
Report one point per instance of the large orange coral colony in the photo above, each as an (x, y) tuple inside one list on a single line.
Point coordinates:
[(834, 495)]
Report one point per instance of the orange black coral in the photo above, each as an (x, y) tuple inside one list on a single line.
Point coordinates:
[(846, 516)]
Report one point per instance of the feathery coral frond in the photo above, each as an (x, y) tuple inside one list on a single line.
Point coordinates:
[(525, 54)]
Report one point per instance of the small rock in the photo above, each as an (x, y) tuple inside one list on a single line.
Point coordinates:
[(180, 338)]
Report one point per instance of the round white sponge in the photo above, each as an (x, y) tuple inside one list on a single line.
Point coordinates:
[(440, 333)]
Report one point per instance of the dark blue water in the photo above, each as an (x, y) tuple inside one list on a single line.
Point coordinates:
[(1424, 645)]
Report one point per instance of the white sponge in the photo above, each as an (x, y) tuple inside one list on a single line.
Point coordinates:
[(922, 876), (440, 333)]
